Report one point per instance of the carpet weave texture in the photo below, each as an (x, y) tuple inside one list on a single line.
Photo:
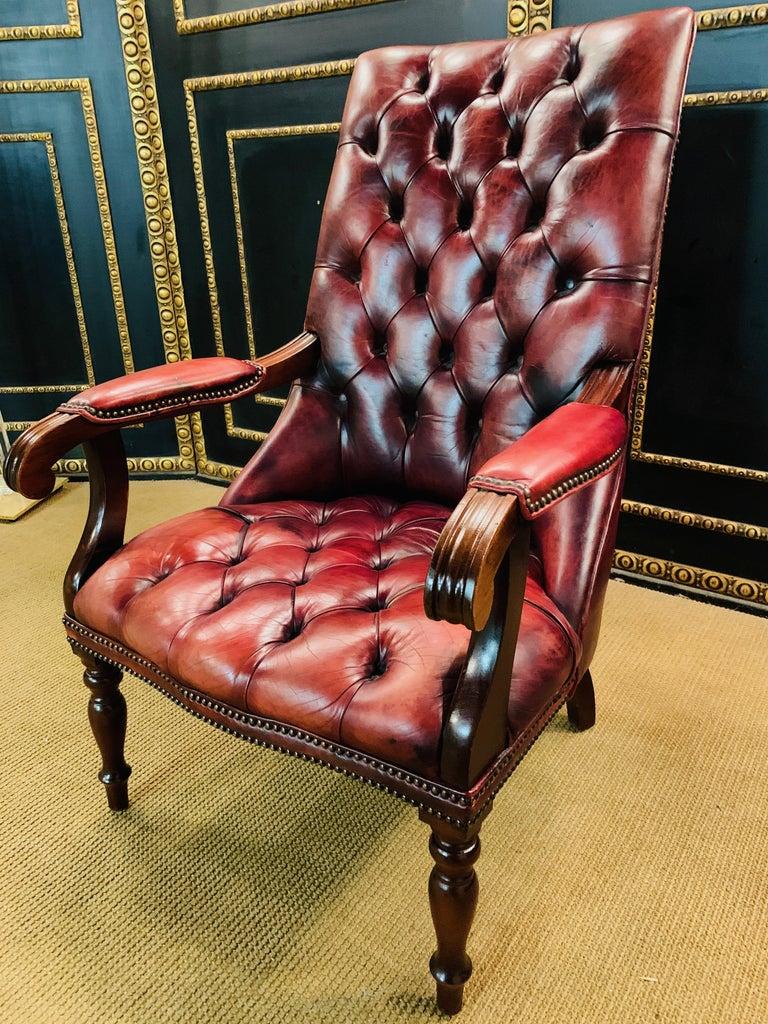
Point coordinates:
[(623, 877)]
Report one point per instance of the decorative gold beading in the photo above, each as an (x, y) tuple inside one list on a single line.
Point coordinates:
[(268, 76), (527, 16), (156, 192), (741, 16), (46, 138), (83, 86), (259, 15), (234, 135), (703, 99), (664, 570), (31, 33), (715, 524)]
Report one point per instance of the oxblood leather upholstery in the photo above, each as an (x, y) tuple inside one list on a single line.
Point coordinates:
[(311, 613), (568, 450), (490, 238), (169, 389)]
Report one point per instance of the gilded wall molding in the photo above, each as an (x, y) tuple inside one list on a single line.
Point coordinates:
[(693, 577), (268, 76), (83, 87), (527, 16), (234, 135), (72, 29), (724, 99), (637, 452), (46, 138), (749, 531), (260, 15), (156, 193), (741, 16)]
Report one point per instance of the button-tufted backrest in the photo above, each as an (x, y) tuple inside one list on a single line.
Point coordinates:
[(490, 236)]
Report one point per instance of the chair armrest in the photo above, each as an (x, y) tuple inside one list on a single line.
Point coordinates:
[(191, 384), (479, 567), (169, 389), (577, 444), (156, 393)]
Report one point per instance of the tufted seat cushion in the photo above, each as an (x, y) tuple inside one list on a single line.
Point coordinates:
[(310, 613)]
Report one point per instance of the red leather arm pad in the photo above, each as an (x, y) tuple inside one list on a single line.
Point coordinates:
[(575, 445), (169, 389)]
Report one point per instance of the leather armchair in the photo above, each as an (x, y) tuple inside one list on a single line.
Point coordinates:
[(405, 583)]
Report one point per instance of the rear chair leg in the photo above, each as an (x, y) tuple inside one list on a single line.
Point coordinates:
[(581, 704), (453, 892), (107, 715)]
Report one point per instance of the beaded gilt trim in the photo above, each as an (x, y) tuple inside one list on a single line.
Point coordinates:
[(561, 489), (171, 402), (495, 779)]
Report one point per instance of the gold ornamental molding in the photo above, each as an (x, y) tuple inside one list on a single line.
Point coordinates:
[(693, 577), (156, 193), (239, 80), (714, 524), (741, 16), (235, 135), (46, 138), (260, 15), (724, 99), (29, 33), (83, 87), (637, 451), (527, 16)]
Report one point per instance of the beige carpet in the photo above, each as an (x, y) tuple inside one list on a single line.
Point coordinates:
[(624, 876)]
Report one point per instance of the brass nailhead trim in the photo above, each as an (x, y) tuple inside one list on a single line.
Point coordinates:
[(173, 402), (501, 771), (555, 492)]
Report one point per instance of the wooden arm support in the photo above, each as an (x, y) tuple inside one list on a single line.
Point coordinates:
[(29, 468), (477, 578)]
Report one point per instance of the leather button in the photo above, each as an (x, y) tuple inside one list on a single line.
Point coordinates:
[(565, 282), (592, 135), (535, 217), (379, 345), (371, 144), (396, 208), (443, 143), (292, 630), (497, 80), (514, 143), (421, 280), (446, 355), (423, 83), (489, 285), (573, 67), (464, 215)]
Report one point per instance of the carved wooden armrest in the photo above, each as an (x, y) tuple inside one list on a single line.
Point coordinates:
[(479, 567), (94, 417), (157, 393)]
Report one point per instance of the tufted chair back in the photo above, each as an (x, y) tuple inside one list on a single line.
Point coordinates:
[(490, 237)]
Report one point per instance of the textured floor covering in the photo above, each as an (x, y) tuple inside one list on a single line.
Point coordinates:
[(623, 877)]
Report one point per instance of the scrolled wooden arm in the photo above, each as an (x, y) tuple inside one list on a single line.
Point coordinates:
[(466, 558), (95, 423), (29, 467), (477, 578)]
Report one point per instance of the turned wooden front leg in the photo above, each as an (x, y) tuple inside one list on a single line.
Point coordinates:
[(107, 715), (453, 890)]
